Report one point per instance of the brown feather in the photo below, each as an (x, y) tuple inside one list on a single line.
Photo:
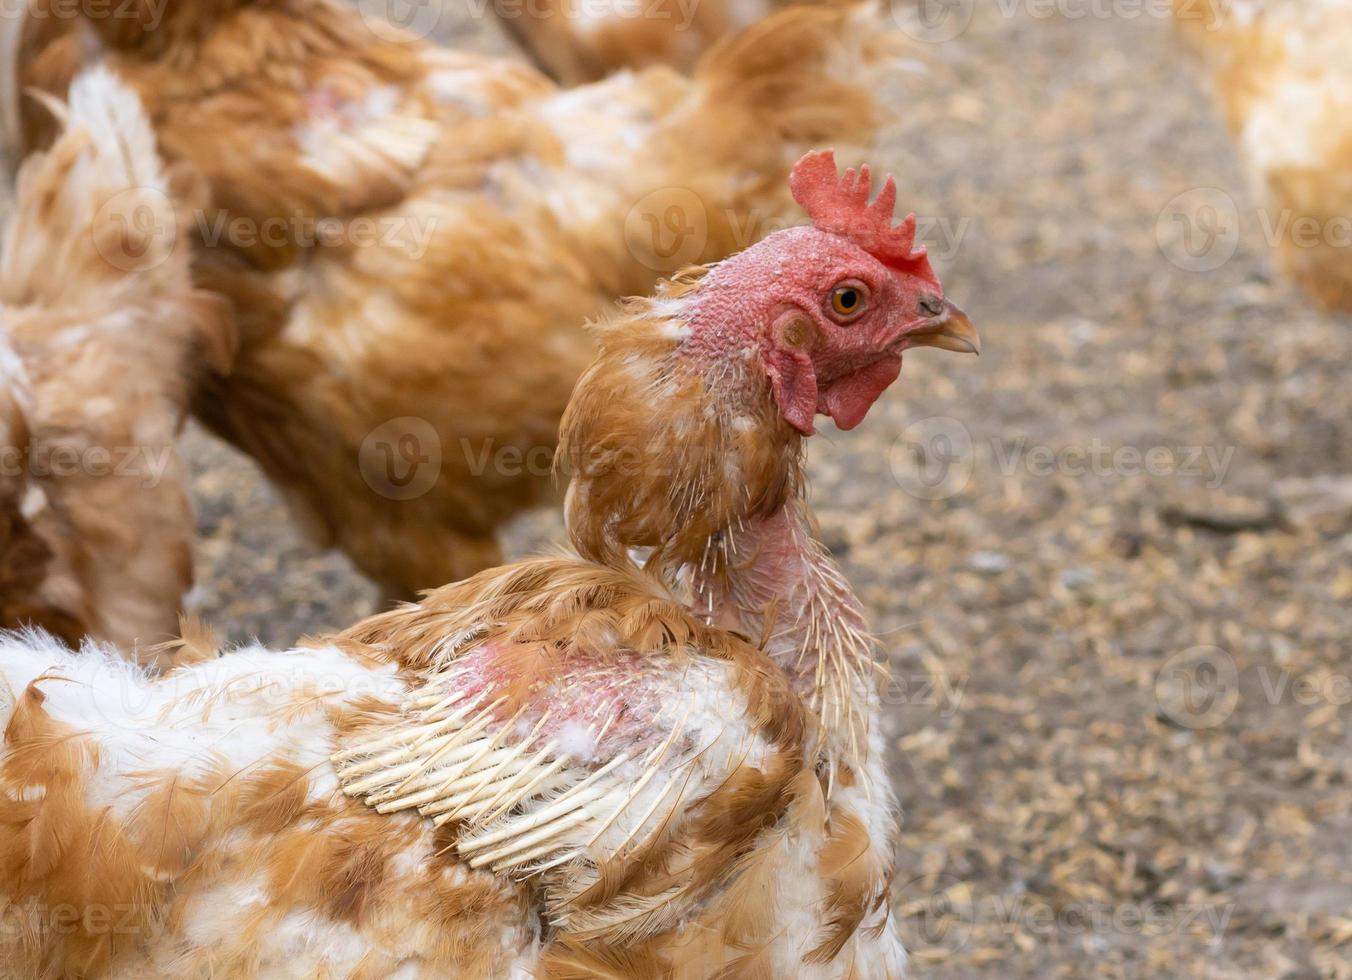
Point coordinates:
[(299, 111), (96, 526)]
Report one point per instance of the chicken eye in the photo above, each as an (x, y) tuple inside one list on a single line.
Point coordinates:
[(848, 299)]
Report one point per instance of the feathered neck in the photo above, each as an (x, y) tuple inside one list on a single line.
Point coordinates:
[(771, 579), (690, 458), (664, 448)]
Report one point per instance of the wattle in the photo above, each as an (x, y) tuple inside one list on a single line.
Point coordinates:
[(848, 399)]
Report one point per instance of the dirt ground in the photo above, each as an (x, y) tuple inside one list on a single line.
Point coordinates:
[(1111, 562)]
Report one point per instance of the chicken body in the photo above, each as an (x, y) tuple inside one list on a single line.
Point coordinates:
[(1279, 69), (100, 326), (411, 237), (193, 824), (568, 767)]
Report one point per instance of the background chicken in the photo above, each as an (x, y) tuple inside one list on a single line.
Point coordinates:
[(605, 783), (1279, 69), (576, 42), (411, 236), (100, 324)]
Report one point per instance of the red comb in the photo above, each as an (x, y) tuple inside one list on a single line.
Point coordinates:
[(841, 207)]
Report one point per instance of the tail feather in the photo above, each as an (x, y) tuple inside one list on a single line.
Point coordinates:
[(97, 298), (95, 224), (803, 78), (40, 47), (93, 209), (575, 46)]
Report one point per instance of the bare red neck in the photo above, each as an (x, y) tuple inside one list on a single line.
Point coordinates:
[(773, 580)]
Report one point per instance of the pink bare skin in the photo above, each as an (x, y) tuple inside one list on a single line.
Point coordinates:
[(830, 308), (826, 312)]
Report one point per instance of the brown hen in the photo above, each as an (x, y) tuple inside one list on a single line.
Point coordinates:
[(100, 326), (1280, 70), (562, 768), (411, 236)]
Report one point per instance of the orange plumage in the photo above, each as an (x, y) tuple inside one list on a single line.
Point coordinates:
[(558, 768), (411, 237), (574, 42), (101, 328), (1281, 76)]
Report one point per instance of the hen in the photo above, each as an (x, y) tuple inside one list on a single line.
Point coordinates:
[(1281, 73), (412, 236), (578, 41), (99, 326), (569, 767)]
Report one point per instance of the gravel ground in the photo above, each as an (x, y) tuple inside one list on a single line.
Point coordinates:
[(1111, 562)]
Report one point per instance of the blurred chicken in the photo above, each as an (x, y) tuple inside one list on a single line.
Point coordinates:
[(99, 326), (1281, 72), (578, 41), (553, 769), (412, 236)]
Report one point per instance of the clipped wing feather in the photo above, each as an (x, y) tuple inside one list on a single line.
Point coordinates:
[(565, 739)]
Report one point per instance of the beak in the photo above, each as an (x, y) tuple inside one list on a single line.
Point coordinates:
[(950, 330)]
